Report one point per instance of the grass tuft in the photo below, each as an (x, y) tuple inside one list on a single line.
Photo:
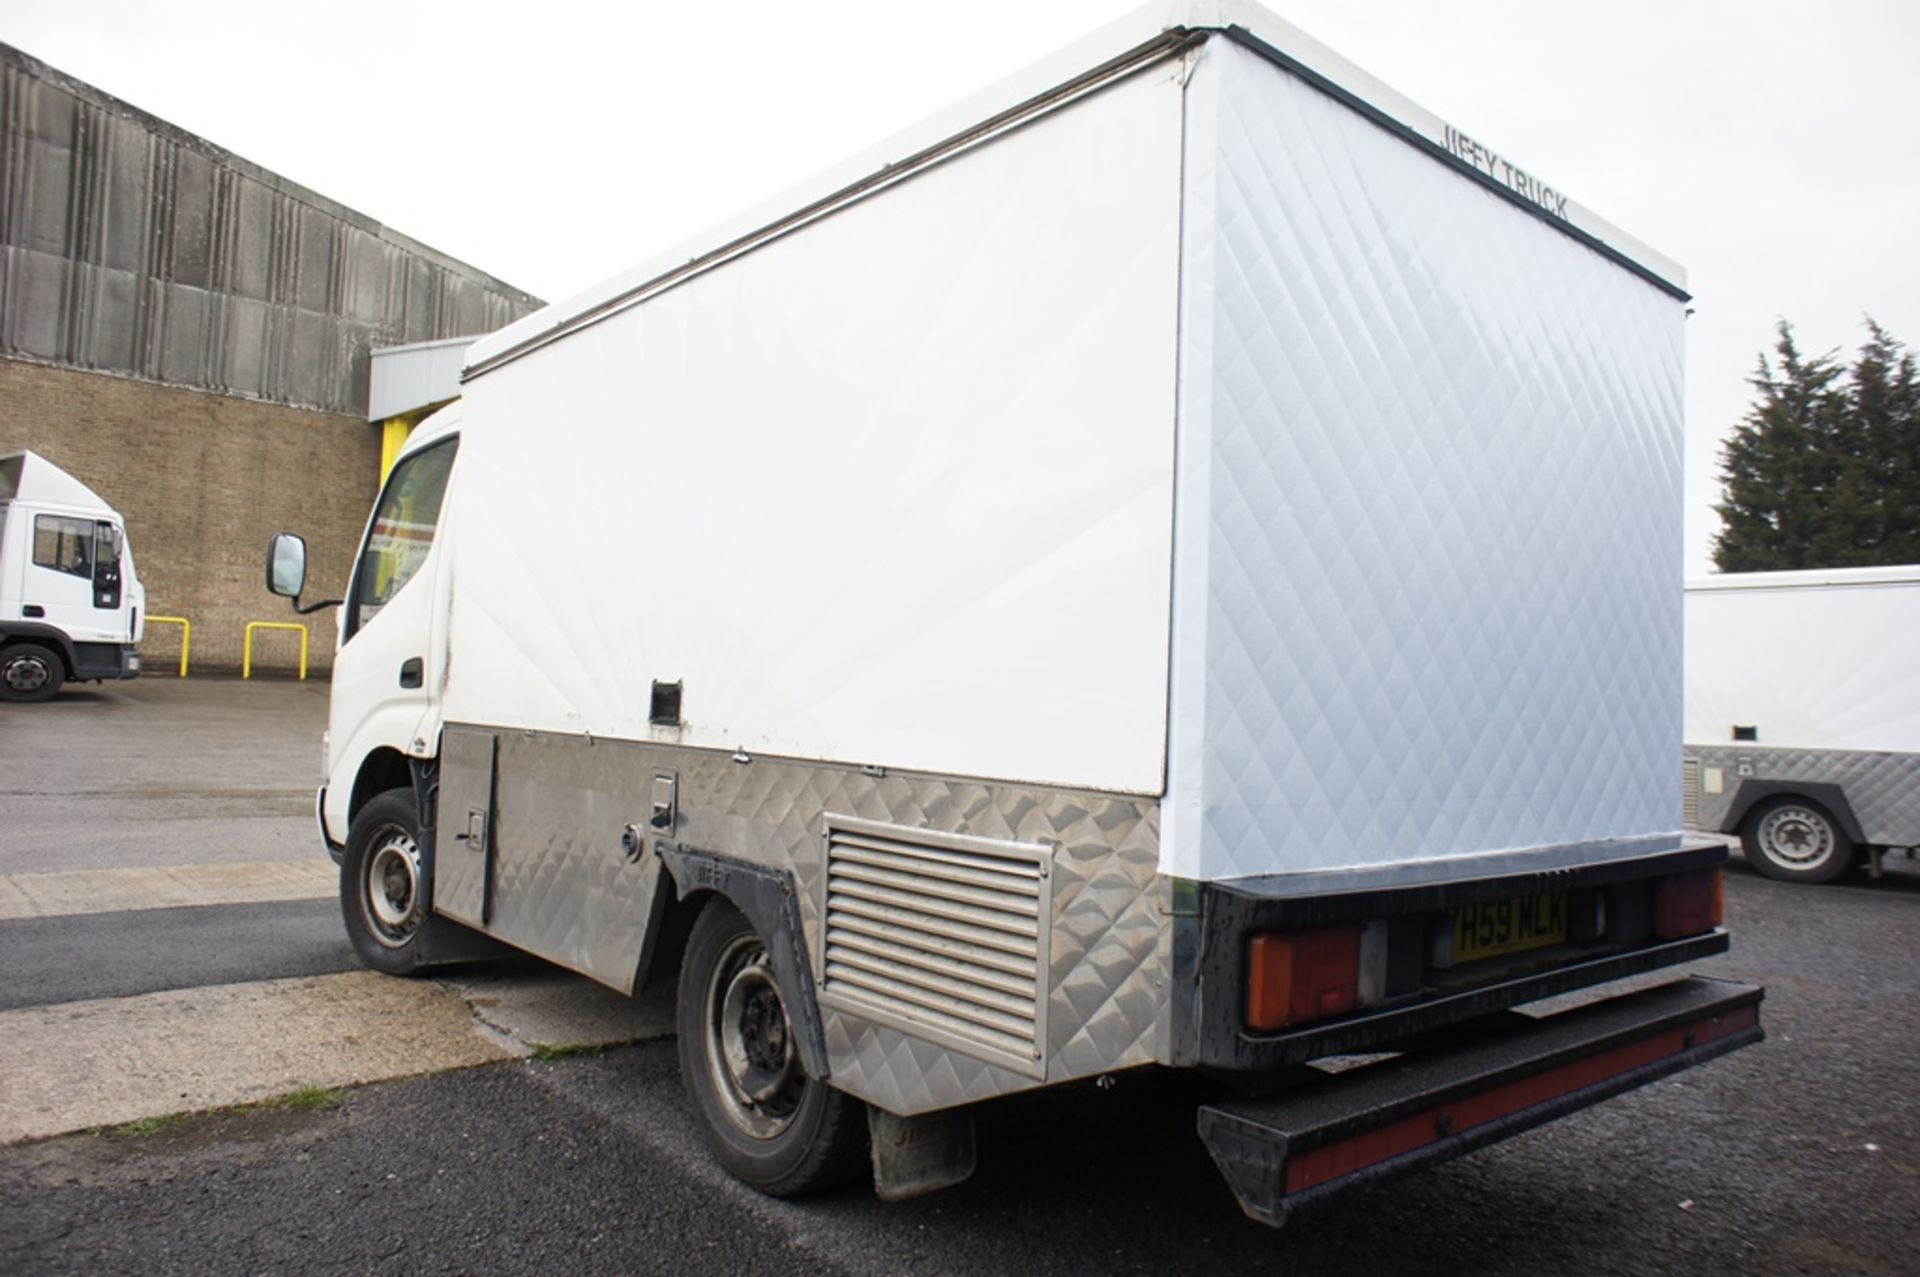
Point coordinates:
[(149, 1125)]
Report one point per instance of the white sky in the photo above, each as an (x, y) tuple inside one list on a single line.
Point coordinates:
[(1766, 146)]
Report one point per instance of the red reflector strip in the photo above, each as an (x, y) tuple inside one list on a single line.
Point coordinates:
[(1357, 1152)]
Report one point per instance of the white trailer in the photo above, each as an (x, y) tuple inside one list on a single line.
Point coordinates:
[(71, 605), (1167, 563), (1803, 716)]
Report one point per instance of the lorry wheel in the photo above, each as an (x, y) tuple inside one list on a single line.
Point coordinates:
[(29, 672), (380, 880), (1795, 841), (774, 1127)]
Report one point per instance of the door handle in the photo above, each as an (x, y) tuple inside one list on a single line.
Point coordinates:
[(410, 672)]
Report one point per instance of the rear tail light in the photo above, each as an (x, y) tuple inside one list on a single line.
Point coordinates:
[(1296, 976), (1687, 904)]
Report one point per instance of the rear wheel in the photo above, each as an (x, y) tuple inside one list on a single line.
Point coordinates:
[(29, 672), (381, 896), (1795, 840), (770, 1124)]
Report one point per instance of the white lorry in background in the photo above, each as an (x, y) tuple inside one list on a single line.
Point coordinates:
[(71, 606), (1803, 716), (1165, 564)]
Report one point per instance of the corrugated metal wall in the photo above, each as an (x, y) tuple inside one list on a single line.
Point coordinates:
[(130, 246)]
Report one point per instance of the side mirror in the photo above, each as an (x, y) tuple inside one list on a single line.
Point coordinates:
[(286, 565)]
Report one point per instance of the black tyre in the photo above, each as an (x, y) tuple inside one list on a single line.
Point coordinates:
[(1796, 841), (381, 894), (770, 1124), (29, 672)]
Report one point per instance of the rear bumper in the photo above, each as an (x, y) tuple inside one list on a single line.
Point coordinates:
[(1210, 1021), (1285, 1152)]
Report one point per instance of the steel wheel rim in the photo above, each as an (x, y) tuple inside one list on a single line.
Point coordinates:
[(392, 888), (1797, 837), (750, 1057), (27, 674)]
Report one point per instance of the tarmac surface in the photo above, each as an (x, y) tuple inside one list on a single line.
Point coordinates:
[(1801, 1154)]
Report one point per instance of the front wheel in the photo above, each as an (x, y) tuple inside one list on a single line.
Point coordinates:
[(1796, 841), (774, 1127), (29, 672), (381, 884)]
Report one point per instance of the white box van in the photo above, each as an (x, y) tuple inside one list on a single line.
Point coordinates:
[(1170, 563), (1803, 716)]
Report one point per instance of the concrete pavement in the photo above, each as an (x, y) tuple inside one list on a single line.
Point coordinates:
[(170, 929)]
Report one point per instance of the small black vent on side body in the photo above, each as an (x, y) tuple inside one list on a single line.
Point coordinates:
[(1746, 733), (666, 704)]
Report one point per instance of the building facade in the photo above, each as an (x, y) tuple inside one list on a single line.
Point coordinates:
[(191, 335)]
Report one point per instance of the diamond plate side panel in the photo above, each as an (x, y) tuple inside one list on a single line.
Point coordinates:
[(1882, 788), (1108, 987), (1442, 611), (563, 891), (563, 887), (465, 807)]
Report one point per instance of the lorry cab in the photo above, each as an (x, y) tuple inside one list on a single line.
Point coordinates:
[(71, 604)]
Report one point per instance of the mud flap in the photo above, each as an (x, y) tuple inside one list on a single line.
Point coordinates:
[(917, 1155), (1285, 1152)]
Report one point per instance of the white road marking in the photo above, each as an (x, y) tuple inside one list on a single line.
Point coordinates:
[(52, 895)]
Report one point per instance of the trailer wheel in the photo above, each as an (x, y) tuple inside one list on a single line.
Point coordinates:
[(29, 672), (1796, 841), (380, 883), (774, 1127)]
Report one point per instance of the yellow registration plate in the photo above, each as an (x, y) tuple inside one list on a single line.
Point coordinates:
[(1508, 926)]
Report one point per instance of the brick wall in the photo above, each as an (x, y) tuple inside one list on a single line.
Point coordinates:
[(203, 481)]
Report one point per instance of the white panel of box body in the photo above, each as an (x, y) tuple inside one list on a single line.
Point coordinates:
[(894, 488), (1809, 660), (1427, 594)]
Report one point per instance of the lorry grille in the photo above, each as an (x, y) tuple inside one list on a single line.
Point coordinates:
[(1690, 794), (941, 936)]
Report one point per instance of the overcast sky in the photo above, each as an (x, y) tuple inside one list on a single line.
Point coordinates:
[(1768, 147)]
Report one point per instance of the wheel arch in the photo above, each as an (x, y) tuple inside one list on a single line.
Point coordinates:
[(767, 899), (17, 632), (382, 769), (1753, 791)]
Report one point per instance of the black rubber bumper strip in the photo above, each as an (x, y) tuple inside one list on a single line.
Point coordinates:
[(1281, 1153)]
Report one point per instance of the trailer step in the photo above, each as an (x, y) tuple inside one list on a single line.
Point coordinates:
[(1280, 1153)]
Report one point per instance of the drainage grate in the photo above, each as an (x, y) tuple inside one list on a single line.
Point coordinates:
[(941, 936)]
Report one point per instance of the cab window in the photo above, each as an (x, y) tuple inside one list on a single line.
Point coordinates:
[(63, 544), (401, 532)]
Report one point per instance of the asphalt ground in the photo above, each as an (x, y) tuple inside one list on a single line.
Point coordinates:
[(1801, 1154)]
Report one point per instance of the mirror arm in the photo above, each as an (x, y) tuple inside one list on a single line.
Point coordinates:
[(311, 608)]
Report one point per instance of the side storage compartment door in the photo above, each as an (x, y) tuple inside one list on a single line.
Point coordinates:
[(463, 849), (543, 865)]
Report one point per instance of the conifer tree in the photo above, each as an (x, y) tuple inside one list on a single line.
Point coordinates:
[(1824, 471)]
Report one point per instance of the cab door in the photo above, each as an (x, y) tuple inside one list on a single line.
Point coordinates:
[(382, 691), (71, 581)]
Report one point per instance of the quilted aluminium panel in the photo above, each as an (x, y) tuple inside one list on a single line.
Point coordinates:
[(1427, 597), (1882, 788), (564, 889)]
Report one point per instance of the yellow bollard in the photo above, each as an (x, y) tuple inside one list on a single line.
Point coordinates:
[(246, 652), (186, 636)]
